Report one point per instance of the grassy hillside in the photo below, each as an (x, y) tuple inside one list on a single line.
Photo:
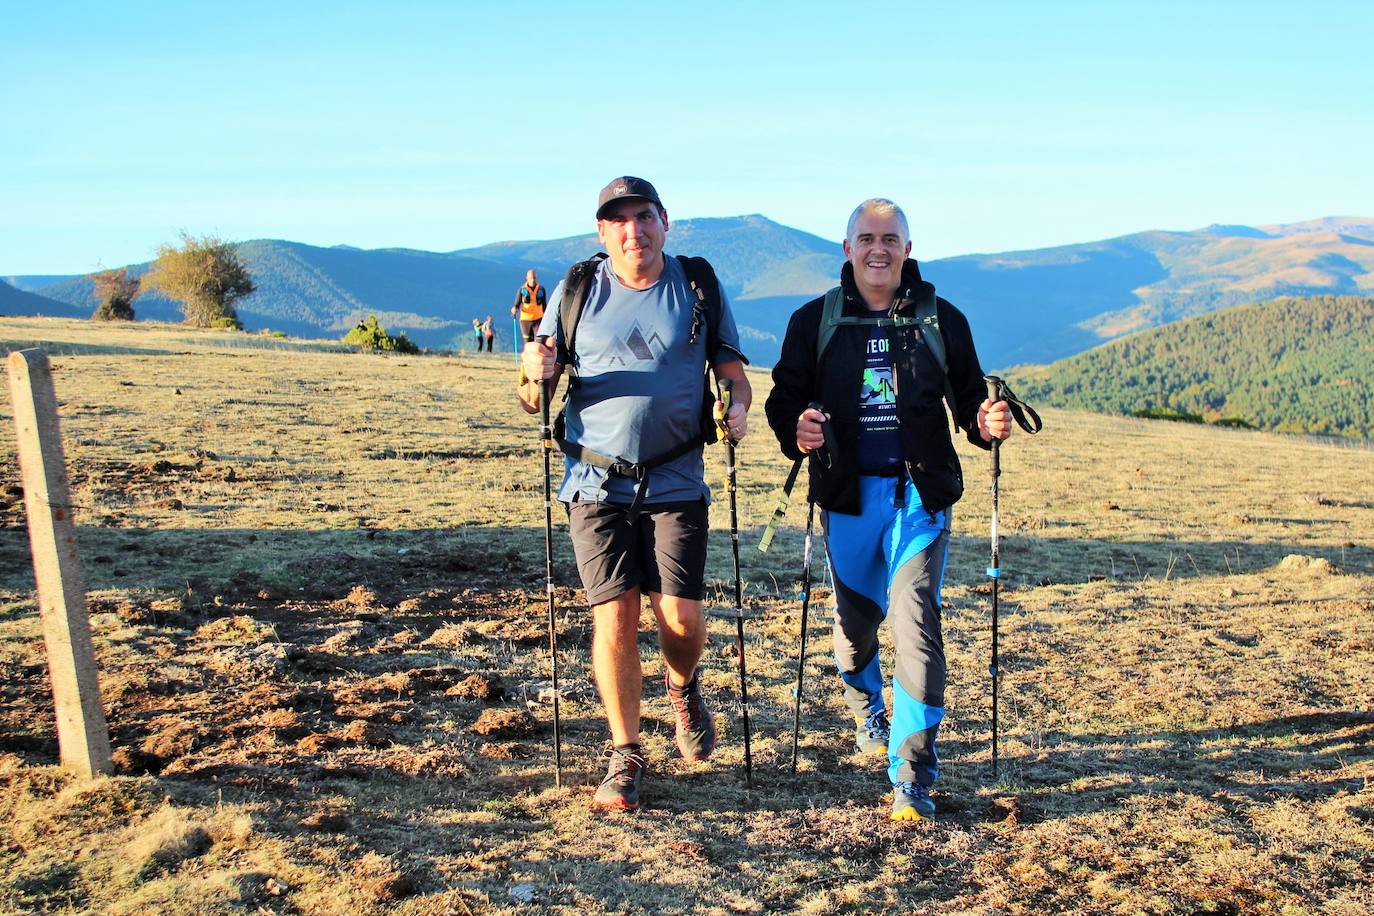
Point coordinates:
[(1292, 365), (316, 592)]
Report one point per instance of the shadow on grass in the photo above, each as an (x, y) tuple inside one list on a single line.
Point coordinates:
[(1300, 757), (328, 562)]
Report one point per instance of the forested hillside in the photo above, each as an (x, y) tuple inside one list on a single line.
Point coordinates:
[(1290, 365)]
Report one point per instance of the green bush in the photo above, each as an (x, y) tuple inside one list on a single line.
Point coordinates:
[(116, 291), (1234, 423), (369, 335), (113, 311), (1167, 413)]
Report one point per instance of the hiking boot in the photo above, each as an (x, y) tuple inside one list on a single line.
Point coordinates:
[(872, 734), (619, 791), (911, 802), (696, 733)]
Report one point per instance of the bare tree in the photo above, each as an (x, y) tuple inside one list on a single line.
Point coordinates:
[(206, 276), (116, 291)]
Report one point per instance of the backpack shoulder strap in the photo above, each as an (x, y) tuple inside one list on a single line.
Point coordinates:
[(928, 315), (708, 308), (576, 285), (830, 313)]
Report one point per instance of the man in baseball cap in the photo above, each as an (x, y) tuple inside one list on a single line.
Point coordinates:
[(625, 187), (632, 433)]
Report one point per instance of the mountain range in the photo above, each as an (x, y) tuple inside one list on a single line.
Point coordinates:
[(1025, 306)]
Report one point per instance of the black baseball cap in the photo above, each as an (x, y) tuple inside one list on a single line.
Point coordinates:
[(626, 186)]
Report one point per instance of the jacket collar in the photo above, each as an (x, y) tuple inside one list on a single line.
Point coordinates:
[(911, 289)]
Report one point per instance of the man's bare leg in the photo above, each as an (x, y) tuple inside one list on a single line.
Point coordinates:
[(615, 664), (681, 634)]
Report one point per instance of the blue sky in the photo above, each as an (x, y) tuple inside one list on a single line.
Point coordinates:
[(446, 125)]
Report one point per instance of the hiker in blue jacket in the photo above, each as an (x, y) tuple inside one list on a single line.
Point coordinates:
[(886, 496), (632, 433)]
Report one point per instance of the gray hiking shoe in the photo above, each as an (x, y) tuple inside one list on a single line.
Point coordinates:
[(696, 732), (911, 802), (872, 734), (619, 791)]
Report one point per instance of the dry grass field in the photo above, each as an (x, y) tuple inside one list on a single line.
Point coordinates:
[(316, 590)]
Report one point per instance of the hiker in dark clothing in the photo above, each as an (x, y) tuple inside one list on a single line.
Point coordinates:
[(489, 334), (887, 494), (636, 392)]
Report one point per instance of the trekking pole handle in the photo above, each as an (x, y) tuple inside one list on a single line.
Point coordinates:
[(995, 386), (725, 394), (996, 392), (830, 449), (542, 340)]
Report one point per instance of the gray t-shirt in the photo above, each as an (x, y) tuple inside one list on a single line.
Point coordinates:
[(640, 384)]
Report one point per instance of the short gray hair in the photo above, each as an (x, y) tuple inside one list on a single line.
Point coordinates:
[(882, 207)]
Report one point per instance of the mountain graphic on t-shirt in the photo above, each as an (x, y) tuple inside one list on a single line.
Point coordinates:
[(634, 347), (877, 388), (638, 345)]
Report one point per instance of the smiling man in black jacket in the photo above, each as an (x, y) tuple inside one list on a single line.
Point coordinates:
[(872, 360)]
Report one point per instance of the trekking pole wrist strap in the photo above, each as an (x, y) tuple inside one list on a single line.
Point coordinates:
[(1024, 415)]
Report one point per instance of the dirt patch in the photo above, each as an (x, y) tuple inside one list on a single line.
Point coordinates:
[(504, 723), (478, 687)]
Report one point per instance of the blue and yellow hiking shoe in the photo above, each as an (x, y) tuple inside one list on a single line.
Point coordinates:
[(872, 734), (911, 802), (696, 732), (619, 791)]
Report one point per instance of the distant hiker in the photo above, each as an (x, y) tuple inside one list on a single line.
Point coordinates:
[(477, 334), (530, 302), (887, 494), (635, 364), (489, 333)]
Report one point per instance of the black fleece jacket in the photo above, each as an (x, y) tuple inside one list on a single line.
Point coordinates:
[(927, 450)]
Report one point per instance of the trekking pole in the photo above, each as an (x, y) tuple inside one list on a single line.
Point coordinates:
[(723, 392), (516, 338), (825, 456), (1028, 420), (801, 651), (546, 436), (994, 571)]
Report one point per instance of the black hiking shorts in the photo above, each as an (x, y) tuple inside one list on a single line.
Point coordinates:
[(663, 549)]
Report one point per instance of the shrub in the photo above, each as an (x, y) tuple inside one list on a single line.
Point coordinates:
[(1167, 413), (369, 335), (116, 291), (1234, 423)]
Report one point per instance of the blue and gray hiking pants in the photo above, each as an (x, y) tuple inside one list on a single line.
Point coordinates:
[(889, 561)]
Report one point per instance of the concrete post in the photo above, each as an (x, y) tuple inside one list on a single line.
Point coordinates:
[(82, 734)]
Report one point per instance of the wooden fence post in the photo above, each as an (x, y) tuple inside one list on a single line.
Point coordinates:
[(82, 735)]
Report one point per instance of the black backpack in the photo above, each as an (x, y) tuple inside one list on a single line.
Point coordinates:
[(706, 312)]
